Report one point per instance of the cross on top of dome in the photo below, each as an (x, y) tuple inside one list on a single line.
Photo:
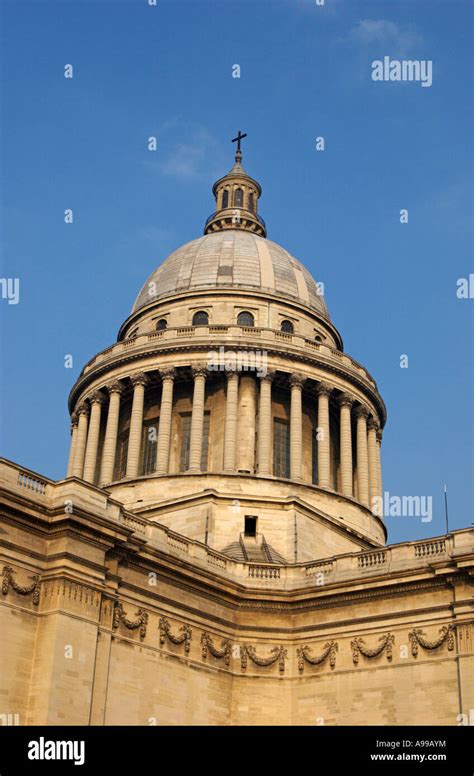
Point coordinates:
[(237, 196)]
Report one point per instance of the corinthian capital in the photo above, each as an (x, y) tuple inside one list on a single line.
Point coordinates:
[(297, 380), (199, 371), (324, 389), (82, 409), (138, 379), (372, 424), (168, 373), (115, 387), (361, 412), (97, 397), (346, 400)]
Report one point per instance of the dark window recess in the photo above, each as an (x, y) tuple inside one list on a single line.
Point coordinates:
[(250, 525), (281, 448), (162, 324), (149, 445), (200, 318), (186, 438), (120, 468), (287, 326), (251, 203), (245, 319), (315, 475), (225, 199), (133, 333), (239, 198), (318, 338)]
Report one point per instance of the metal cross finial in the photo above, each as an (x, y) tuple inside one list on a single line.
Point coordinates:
[(238, 139)]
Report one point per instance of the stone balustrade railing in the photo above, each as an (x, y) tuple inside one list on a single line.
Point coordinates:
[(313, 574), (230, 334)]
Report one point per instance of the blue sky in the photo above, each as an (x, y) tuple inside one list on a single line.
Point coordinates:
[(81, 143)]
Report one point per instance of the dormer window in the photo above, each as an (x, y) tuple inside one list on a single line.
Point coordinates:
[(162, 324), (239, 198), (287, 327), (133, 333), (201, 318)]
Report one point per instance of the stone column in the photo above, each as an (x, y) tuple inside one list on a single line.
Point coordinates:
[(72, 449), (373, 466), (136, 424), (379, 462), (230, 430), (164, 426), (96, 401), (265, 424), (110, 440), (346, 444), (323, 435), (296, 427), (197, 420), (246, 424), (362, 456), (83, 415)]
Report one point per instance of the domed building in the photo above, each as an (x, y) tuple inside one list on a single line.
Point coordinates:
[(217, 552)]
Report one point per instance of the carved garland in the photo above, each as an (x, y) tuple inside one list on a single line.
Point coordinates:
[(277, 654), (141, 620), (329, 651), (386, 644), (417, 638), (9, 581), (184, 637), (208, 645)]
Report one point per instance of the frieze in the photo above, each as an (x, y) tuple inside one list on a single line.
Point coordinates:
[(329, 651), (10, 581), (385, 645), (140, 621), (184, 637), (224, 652), (417, 638), (277, 654)]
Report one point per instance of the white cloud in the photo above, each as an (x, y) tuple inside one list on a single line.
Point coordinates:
[(370, 32)]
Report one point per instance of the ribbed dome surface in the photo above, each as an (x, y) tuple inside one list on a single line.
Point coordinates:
[(233, 259)]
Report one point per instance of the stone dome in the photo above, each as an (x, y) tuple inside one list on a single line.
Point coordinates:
[(233, 258)]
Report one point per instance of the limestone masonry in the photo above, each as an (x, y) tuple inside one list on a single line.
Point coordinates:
[(212, 556)]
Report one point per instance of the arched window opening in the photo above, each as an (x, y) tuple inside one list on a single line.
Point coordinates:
[(251, 202), (245, 319), (287, 327), (318, 338), (162, 324), (200, 318), (225, 198), (133, 333), (281, 448), (239, 198)]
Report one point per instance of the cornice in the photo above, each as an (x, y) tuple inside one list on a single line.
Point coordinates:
[(369, 392)]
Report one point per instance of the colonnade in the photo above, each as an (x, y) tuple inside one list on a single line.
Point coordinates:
[(86, 422)]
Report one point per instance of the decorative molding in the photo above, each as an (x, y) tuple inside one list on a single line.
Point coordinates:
[(372, 424), (276, 654), (329, 651), (385, 644), (184, 637), (362, 412), (199, 371), (208, 646), (74, 420), (141, 620), (9, 581), (417, 638), (268, 377)]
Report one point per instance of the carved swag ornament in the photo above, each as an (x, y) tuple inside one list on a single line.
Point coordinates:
[(417, 638), (141, 620), (184, 637), (359, 647), (329, 651), (208, 646), (276, 654), (9, 581)]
